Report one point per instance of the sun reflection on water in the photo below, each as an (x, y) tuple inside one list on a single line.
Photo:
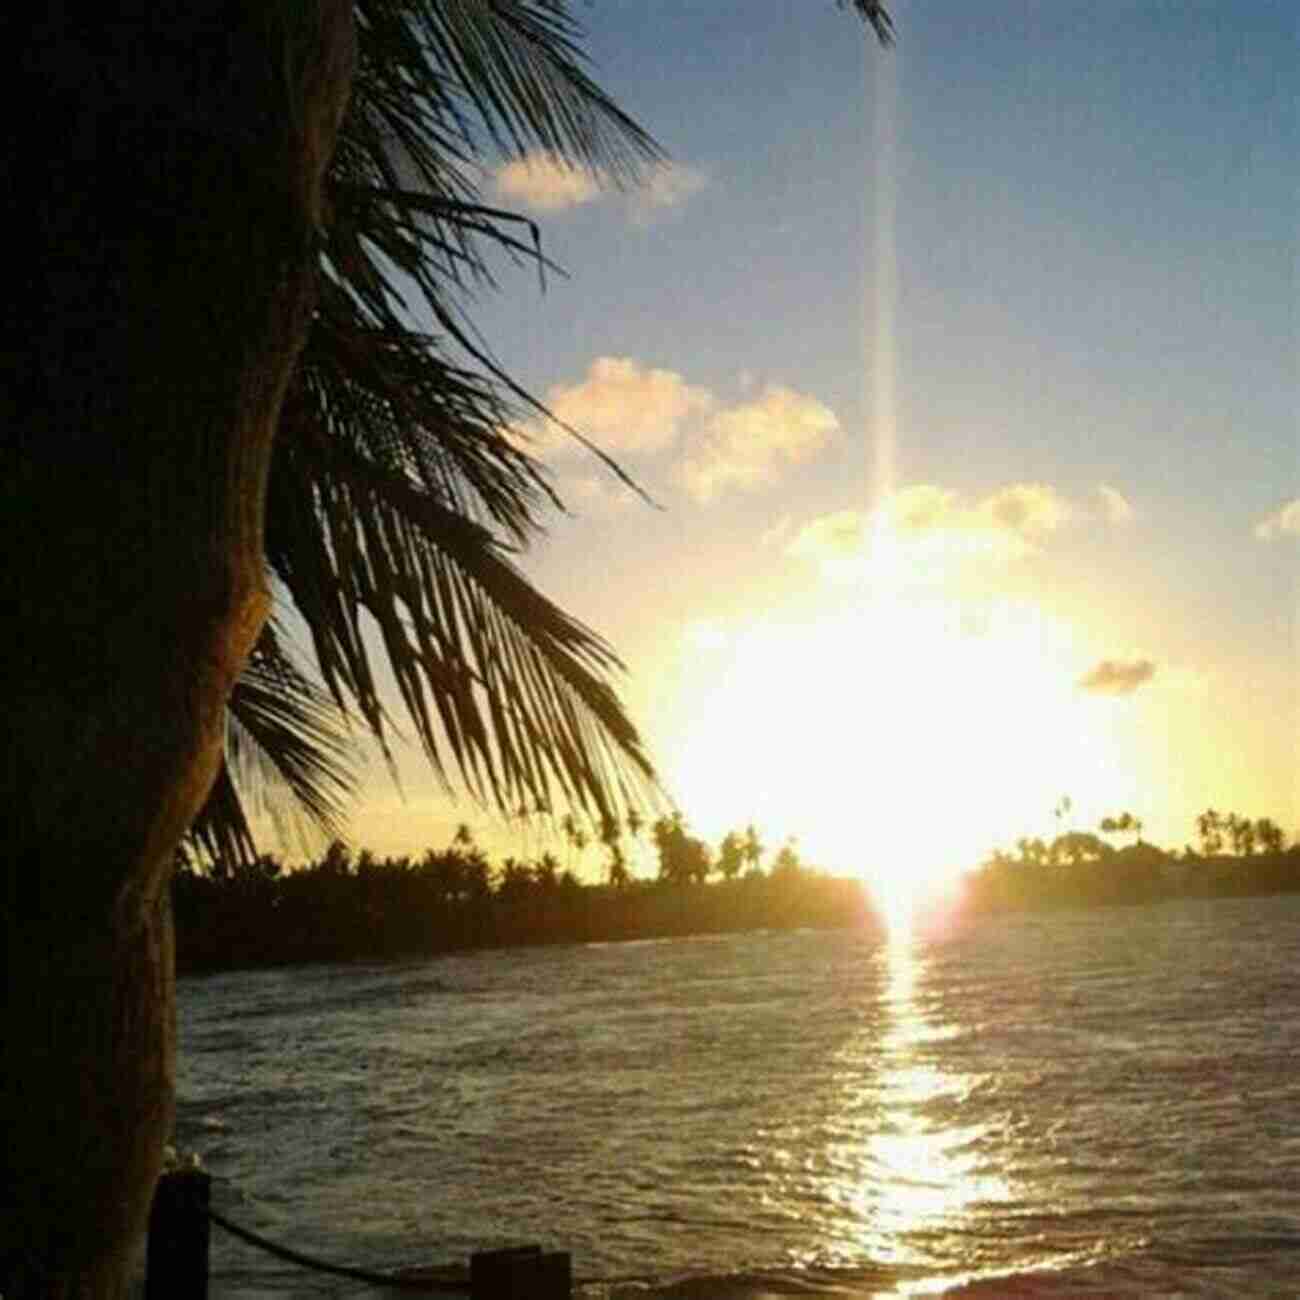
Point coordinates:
[(918, 1176)]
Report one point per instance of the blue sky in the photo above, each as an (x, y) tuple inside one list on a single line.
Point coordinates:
[(961, 370)]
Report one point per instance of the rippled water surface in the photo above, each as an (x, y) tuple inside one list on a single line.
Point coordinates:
[(1086, 1103)]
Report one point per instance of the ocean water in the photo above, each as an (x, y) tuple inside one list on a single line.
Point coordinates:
[(1100, 1103)]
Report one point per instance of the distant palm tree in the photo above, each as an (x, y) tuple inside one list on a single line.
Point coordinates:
[(731, 855), (1235, 828), (619, 876), (569, 829), (1123, 824), (546, 871), (515, 880), (611, 836), (1209, 827), (1246, 837), (1269, 834)]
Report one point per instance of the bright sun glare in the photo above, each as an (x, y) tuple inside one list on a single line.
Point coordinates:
[(899, 739)]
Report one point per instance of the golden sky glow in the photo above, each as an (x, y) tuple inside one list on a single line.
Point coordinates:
[(897, 732), (976, 446)]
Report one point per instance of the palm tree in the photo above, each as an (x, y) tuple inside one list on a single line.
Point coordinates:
[(611, 836), (682, 857), (1234, 826), (1123, 824), (731, 855), (213, 257), (1269, 834), (787, 863), (1246, 837), (1209, 827)]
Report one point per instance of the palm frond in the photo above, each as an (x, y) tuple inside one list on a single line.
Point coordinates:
[(222, 830), (871, 11), (287, 756), (437, 81), (397, 495), (508, 694)]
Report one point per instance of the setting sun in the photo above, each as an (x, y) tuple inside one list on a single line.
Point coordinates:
[(898, 740)]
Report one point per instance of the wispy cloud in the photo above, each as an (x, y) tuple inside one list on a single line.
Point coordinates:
[(742, 446), (709, 446), (1008, 521), (1283, 522), (933, 528), (545, 183), (1117, 676), (666, 185), (542, 182), (625, 407)]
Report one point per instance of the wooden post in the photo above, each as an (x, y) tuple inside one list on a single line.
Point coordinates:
[(555, 1275), (521, 1273), (179, 1235)]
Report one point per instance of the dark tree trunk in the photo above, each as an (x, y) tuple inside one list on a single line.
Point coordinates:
[(160, 184)]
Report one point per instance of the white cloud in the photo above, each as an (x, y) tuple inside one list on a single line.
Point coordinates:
[(929, 528), (1115, 506), (542, 182), (630, 410), (742, 446), (666, 185), (545, 183), (1005, 524), (1283, 522), (622, 406)]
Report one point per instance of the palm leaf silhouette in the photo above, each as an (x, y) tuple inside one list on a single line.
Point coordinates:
[(397, 495)]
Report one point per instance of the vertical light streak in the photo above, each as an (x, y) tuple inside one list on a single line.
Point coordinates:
[(883, 361)]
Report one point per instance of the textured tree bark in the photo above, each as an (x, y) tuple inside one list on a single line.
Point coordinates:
[(161, 186)]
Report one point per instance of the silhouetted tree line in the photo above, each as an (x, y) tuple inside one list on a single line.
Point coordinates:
[(1079, 868), (342, 907)]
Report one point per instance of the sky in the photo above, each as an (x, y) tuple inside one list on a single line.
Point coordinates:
[(964, 374)]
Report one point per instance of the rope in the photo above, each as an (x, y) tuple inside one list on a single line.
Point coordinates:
[(394, 1280), (339, 1270)]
